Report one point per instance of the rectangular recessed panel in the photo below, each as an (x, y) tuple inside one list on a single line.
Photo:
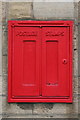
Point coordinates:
[(25, 64), (55, 79), (52, 62), (29, 62)]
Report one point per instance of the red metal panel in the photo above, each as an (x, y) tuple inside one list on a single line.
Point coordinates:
[(25, 62), (55, 61), (40, 61)]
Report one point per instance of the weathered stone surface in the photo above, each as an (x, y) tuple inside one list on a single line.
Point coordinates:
[(13, 108), (45, 117), (79, 90), (79, 38), (0, 60), (75, 85), (0, 11), (0, 85), (73, 107), (79, 50), (79, 11), (53, 10), (4, 12), (5, 64), (0, 38), (52, 109), (5, 85), (79, 82), (19, 10), (0, 49), (76, 11), (0, 107), (25, 106), (4, 43), (75, 63), (79, 105), (75, 36), (75, 51)]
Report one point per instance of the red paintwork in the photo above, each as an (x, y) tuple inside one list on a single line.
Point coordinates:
[(40, 61)]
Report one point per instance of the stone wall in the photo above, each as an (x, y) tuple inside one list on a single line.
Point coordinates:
[(0, 60), (38, 11)]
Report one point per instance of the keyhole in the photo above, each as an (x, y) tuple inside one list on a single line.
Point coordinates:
[(64, 61)]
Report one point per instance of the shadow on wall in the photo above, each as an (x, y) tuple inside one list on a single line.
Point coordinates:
[(29, 106)]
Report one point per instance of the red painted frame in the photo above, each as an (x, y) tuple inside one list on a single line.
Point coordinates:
[(11, 25)]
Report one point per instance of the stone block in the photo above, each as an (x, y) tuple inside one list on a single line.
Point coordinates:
[(0, 11), (47, 108), (79, 90), (4, 64), (79, 11), (0, 38), (0, 49), (75, 35), (5, 85), (0, 107), (19, 10), (53, 10), (73, 107), (4, 12), (76, 11), (79, 82), (39, 117), (14, 109), (75, 51), (75, 85), (0, 85), (79, 104), (75, 63), (4, 43), (79, 50)]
